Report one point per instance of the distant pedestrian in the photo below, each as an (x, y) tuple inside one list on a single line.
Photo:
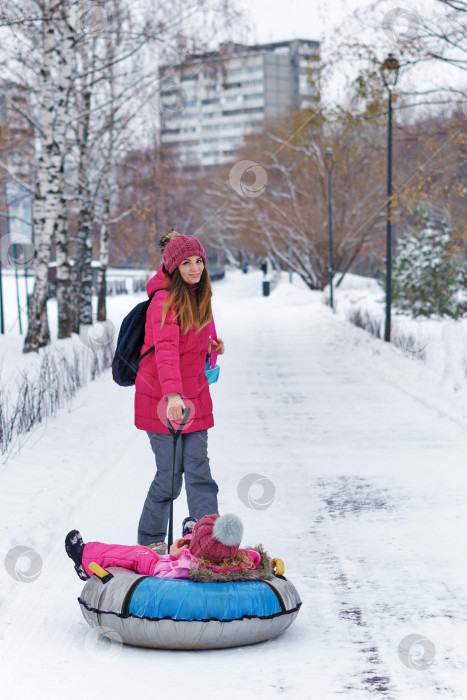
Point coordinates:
[(264, 267)]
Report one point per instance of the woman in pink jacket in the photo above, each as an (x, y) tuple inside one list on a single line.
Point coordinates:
[(178, 324)]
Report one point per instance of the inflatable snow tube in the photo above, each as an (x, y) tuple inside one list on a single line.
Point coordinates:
[(147, 611)]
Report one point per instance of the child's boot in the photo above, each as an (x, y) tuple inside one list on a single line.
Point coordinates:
[(74, 547), (188, 525), (158, 547)]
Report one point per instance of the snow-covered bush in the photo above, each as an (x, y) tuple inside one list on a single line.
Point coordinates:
[(364, 319), (36, 397), (428, 278)]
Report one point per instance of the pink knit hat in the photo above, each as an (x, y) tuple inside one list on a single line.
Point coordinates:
[(216, 537), (178, 249)]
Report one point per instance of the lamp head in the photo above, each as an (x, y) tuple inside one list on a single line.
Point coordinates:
[(328, 158), (390, 71)]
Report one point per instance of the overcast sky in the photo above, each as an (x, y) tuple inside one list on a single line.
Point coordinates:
[(295, 19), (275, 20)]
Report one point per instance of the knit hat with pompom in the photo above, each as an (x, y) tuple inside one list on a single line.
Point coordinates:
[(179, 248), (216, 537)]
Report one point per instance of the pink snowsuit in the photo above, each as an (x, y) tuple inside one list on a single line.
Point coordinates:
[(146, 561)]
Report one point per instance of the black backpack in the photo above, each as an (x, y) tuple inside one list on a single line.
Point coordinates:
[(130, 341)]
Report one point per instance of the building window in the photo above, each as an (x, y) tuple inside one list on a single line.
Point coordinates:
[(245, 110), (210, 101)]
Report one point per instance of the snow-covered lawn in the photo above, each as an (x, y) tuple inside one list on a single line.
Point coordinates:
[(366, 455), (439, 343)]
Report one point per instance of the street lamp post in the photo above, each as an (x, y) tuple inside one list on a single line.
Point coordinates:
[(328, 163), (390, 73), (2, 324)]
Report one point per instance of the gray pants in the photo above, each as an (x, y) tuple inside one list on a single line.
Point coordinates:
[(191, 458)]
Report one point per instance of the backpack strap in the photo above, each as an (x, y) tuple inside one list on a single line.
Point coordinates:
[(144, 354), (162, 289)]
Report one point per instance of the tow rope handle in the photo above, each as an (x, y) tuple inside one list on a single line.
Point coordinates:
[(279, 568), (100, 572), (186, 413)]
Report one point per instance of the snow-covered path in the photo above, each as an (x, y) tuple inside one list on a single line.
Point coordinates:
[(368, 514)]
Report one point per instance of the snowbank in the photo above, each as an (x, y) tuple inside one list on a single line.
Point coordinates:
[(439, 343)]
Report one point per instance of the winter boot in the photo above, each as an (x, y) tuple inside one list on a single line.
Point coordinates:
[(74, 547), (158, 547), (188, 525)]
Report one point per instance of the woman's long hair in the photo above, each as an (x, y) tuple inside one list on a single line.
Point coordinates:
[(191, 309)]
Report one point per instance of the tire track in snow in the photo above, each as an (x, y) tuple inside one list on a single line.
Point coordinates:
[(373, 676), (354, 496)]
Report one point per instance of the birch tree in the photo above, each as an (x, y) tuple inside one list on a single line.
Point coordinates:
[(55, 75), (70, 113), (43, 63)]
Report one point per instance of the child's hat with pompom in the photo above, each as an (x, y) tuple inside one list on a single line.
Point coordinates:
[(216, 537)]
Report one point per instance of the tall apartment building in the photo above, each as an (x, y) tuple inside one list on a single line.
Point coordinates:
[(17, 151), (209, 102)]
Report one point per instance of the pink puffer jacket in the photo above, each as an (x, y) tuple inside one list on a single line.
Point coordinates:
[(176, 366)]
